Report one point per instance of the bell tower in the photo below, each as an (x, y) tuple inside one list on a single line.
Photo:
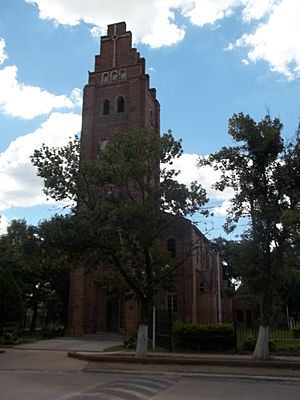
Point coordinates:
[(117, 97)]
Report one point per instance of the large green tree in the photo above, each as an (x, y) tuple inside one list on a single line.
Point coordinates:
[(35, 257), (256, 169), (11, 303), (127, 199)]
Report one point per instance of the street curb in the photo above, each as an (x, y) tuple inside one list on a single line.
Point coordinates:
[(151, 359), (201, 375)]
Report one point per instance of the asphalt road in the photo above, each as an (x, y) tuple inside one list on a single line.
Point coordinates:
[(74, 385), (27, 373)]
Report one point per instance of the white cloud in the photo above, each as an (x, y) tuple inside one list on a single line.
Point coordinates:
[(256, 9), (221, 210), (25, 101), (151, 21), (3, 55), (210, 11), (76, 97), (20, 186), (277, 40), (206, 175), (3, 224), (274, 37), (245, 61)]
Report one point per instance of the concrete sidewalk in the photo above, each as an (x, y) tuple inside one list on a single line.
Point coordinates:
[(52, 354), (39, 360), (86, 343), (86, 354), (231, 364)]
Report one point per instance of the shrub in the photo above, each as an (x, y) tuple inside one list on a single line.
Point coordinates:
[(203, 337), (296, 331), (51, 331), (130, 341), (249, 344), (10, 335)]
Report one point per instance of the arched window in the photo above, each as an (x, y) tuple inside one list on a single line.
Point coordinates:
[(171, 247), (120, 104), (105, 107), (114, 76), (151, 118), (105, 78), (122, 74), (102, 144)]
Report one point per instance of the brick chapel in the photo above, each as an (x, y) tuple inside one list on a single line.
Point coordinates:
[(118, 98)]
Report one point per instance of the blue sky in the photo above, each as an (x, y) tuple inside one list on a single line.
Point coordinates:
[(208, 59)]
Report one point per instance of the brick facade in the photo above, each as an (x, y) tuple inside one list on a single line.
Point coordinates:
[(118, 98)]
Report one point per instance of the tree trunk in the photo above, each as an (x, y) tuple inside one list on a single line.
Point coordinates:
[(142, 338), (34, 317), (261, 351), (142, 341)]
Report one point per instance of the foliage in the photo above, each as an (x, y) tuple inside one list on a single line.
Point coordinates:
[(34, 257), (229, 252), (11, 304), (51, 331), (10, 335), (296, 331), (249, 344), (203, 337), (264, 175), (130, 341), (257, 170), (126, 203)]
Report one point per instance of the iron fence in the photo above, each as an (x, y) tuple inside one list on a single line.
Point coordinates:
[(245, 331)]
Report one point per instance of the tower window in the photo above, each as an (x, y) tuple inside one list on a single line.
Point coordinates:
[(120, 104), (105, 109), (151, 118), (171, 247), (122, 74), (103, 143), (114, 76), (105, 78), (202, 287), (172, 303)]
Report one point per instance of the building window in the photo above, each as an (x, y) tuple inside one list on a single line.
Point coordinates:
[(171, 247), (122, 74), (120, 104), (239, 315), (151, 118), (105, 78), (102, 144), (172, 303), (105, 107), (197, 255), (202, 287), (114, 76)]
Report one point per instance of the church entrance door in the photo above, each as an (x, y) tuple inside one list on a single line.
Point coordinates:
[(112, 315)]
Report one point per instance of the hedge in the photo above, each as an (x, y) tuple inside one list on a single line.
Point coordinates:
[(203, 337), (296, 331)]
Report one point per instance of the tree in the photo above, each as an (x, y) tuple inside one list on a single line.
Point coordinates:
[(254, 169), (34, 256), (11, 304), (125, 203), (228, 250)]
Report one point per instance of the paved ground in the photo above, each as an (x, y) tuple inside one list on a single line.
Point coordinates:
[(86, 343), (27, 373), (49, 385)]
